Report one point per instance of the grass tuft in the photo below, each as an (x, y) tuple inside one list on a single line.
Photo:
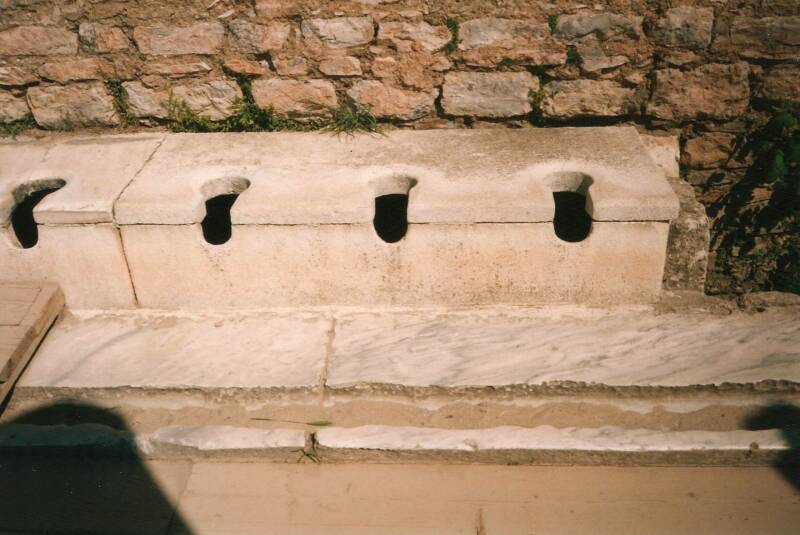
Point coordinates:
[(574, 57), (120, 101), (14, 128), (450, 47), (552, 22)]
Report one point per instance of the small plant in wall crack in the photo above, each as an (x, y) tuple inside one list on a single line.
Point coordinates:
[(452, 45), (120, 102)]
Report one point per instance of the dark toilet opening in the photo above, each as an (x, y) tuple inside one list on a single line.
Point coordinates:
[(570, 221), (217, 222), (391, 216), (22, 222)]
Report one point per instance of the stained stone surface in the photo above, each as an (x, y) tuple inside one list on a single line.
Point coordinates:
[(152, 350), (453, 350), (380, 437)]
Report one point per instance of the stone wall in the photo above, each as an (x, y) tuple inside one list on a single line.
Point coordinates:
[(706, 69)]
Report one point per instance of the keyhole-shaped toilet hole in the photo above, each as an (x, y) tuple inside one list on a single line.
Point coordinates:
[(220, 195), (391, 207), (26, 197), (571, 221)]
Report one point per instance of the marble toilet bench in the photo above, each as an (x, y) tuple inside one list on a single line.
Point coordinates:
[(441, 217)]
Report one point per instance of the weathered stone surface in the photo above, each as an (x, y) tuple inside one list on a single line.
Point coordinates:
[(293, 96), (764, 300), (199, 38), (708, 150), (594, 59), (499, 94), (685, 26), (102, 39), (342, 32), (215, 99), (765, 38), (37, 41), (178, 68), (82, 104), (341, 66), (11, 76), (273, 9), (487, 42), (713, 91), (291, 66), (258, 38), (69, 71), (404, 35), (146, 102), (604, 25), (687, 246), (781, 82), (384, 100), (246, 66), (594, 98), (12, 108), (414, 69)]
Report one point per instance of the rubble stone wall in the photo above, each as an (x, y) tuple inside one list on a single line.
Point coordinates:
[(705, 69)]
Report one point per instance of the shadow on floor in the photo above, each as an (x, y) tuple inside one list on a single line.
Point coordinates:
[(786, 417), (55, 486)]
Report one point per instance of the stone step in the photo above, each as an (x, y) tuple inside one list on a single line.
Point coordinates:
[(548, 375)]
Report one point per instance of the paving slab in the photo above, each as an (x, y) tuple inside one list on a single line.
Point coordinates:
[(486, 348), (459, 176), (161, 350), (432, 499), (26, 312)]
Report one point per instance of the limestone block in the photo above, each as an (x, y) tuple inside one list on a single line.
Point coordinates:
[(11, 75), (102, 39), (257, 38), (70, 71), (602, 24), (448, 264), (588, 98), (199, 38), (12, 108), (78, 245), (294, 96), (710, 91), (685, 26), (341, 32), (488, 94), (406, 34), (340, 66), (80, 104), (771, 38), (488, 41), (383, 100), (37, 41)]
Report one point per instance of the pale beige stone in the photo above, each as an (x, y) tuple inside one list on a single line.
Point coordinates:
[(496, 94), (198, 38), (709, 91), (71, 71), (685, 26), (519, 264), (291, 66), (487, 42), (215, 99), (293, 96), (769, 38), (37, 41), (341, 32), (102, 39), (11, 75), (405, 35), (12, 108), (594, 98), (145, 102), (383, 100), (340, 66), (258, 38), (80, 104), (602, 24), (179, 68), (246, 66)]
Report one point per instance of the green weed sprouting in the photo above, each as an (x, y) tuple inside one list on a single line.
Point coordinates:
[(452, 44)]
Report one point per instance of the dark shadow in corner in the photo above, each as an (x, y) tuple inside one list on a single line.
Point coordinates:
[(786, 417), (56, 486)]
